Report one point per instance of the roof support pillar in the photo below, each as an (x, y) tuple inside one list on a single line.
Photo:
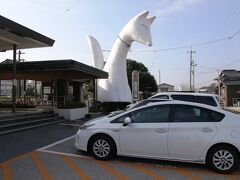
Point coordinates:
[(0, 90), (14, 79)]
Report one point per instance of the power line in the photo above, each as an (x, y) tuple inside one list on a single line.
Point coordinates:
[(186, 46), (227, 20)]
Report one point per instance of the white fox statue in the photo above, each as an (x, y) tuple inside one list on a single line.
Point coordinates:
[(116, 87)]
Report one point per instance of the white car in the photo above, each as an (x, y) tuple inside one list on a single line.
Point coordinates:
[(171, 130), (203, 98)]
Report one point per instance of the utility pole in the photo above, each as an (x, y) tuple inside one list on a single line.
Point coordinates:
[(19, 82), (159, 77), (14, 79), (192, 66), (19, 55)]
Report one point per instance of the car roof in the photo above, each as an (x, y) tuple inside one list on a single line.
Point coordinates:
[(182, 103), (141, 103), (172, 102), (184, 93)]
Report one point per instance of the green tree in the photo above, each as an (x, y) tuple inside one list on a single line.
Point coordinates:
[(147, 82)]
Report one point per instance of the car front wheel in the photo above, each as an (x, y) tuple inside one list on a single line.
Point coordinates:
[(102, 147), (223, 159)]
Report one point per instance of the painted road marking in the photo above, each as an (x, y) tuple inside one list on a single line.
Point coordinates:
[(187, 173), (74, 167), (58, 142), (41, 168), (196, 171), (142, 170), (192, 174), (66, 154), (6, 166), (179, 170), (7, 172), (110, 170)]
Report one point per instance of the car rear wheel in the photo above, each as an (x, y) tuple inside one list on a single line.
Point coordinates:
[(223, 159), (102, 147)]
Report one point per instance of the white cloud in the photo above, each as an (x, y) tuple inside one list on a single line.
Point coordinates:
[(172, 6)]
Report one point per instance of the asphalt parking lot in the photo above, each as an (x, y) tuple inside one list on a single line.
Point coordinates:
[(61, 161)]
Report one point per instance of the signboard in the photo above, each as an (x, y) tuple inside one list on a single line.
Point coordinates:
[(135, 85)]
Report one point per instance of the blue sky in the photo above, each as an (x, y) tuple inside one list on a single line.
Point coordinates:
[(178, 23)]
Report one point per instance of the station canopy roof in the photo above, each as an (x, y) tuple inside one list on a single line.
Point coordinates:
[(14, 33), (51, 70)]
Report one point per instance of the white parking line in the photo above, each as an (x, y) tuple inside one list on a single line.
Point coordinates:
[(65, 154), (53, 144), (44, 149)]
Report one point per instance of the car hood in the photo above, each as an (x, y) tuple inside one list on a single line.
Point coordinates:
[(97, 120)]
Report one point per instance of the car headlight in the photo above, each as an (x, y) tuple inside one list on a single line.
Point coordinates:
[(85, 126)]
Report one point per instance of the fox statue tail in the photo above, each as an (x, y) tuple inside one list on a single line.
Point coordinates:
[(97, 56)]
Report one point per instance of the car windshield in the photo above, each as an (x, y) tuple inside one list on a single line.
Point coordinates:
[(115, 113), (136, 105)]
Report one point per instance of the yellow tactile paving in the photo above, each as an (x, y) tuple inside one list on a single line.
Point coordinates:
[(41, 168), (73, 166), (110, 170)]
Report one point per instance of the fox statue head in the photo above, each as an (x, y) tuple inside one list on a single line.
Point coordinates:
[(138, 29)]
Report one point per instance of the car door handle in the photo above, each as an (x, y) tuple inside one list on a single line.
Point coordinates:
[(206, 129), (161, 130)]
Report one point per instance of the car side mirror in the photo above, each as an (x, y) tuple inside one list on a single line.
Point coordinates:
[(127, 121)]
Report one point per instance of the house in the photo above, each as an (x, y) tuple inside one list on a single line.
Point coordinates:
[(229, 86), (164, 87), (211, 89)]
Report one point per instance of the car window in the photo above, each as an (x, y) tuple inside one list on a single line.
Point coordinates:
[(154, 114), (188, 98), (161, 97), (120, 119), (185, 113), (216, 116), (205, 100)]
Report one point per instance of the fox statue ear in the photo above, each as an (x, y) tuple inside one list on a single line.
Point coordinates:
[(143, 14), (151, 19)]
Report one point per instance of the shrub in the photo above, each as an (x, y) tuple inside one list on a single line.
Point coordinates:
[(17, 106), (72, 105)]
